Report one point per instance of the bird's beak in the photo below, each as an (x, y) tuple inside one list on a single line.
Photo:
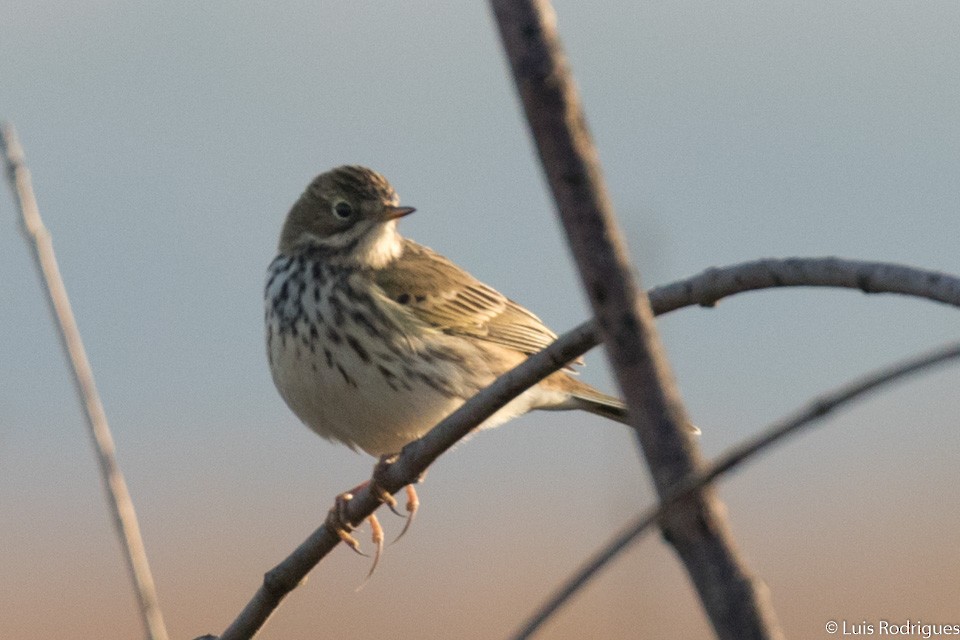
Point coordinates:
[(391, 212)]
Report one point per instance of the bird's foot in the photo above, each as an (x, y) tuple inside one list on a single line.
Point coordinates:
[(413, 502), (338, 521)]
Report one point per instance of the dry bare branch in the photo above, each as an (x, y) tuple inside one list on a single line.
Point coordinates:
[(708, 287), (124, 516), (816, 410), (736, 602)]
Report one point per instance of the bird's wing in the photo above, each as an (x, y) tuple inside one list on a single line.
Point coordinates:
[(445, 296)]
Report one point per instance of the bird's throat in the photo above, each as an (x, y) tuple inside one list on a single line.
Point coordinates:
[(378, 247)]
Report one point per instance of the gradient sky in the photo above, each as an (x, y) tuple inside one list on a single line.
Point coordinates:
[(167, 141)]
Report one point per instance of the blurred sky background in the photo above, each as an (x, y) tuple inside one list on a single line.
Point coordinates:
[(167, 141)]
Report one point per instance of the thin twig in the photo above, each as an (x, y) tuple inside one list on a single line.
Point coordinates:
[(736, 602), (118, 497), (416, 457), (813, 412)]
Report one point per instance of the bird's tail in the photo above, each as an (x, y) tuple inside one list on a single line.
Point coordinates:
[(589, 399)]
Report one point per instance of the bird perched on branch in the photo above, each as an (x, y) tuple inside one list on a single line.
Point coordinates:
[(373, 339)]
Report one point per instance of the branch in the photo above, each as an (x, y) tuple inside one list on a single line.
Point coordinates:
[(124, 516), (417, 456), (708, 287), (815, 411), (735, 601), (407, 468)]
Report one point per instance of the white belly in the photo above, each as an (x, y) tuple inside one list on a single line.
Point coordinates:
[(352, 401)]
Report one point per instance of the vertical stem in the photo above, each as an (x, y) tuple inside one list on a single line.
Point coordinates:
[(118, 497), (736, 603)]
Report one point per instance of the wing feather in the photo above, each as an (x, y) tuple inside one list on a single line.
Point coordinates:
[(445, 296)]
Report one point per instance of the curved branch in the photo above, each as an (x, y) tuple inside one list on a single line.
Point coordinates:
[(417, 456), (813, 412), (708, 287)]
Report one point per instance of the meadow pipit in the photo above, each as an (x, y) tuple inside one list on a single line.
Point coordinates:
[(373, 338)]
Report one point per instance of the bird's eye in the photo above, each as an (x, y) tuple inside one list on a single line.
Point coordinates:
[(342, 210)]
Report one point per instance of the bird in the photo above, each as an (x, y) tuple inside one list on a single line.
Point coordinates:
[(372, 338)]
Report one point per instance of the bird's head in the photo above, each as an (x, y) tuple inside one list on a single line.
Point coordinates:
[(350, 213)]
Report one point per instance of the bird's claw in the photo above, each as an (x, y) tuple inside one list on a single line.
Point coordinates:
[(376, 536), (413, 504)]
